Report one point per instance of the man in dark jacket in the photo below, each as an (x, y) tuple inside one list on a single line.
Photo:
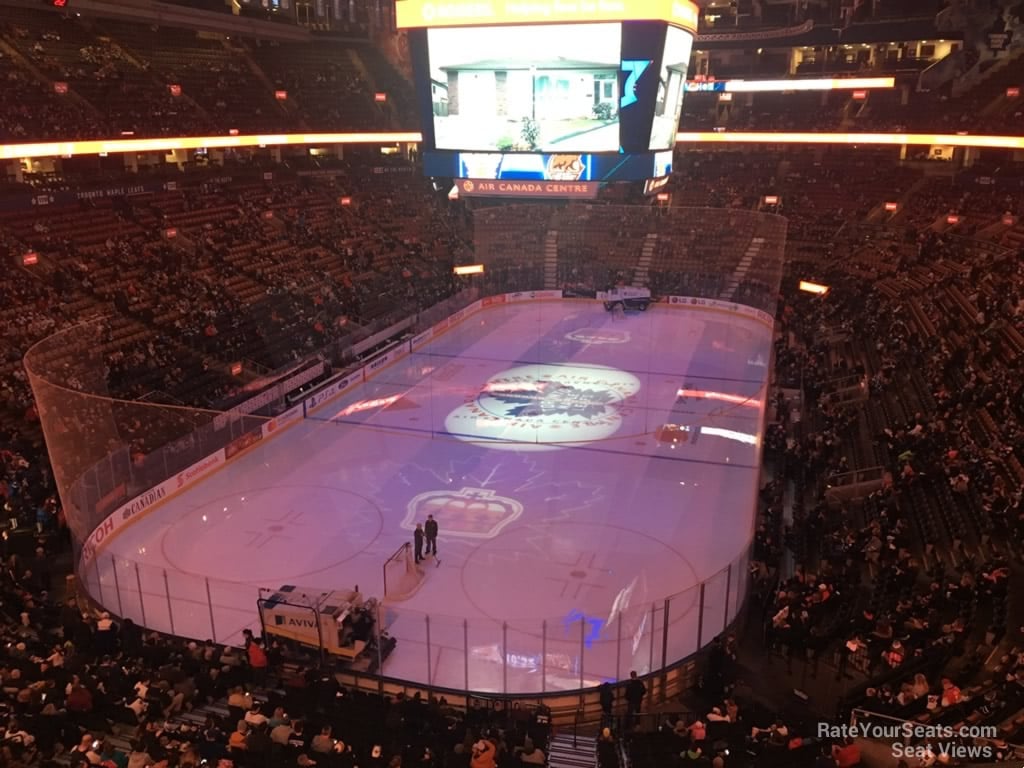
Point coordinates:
[(417, 542), (607, 750), (635, 692), (430, 530), (607, 694)]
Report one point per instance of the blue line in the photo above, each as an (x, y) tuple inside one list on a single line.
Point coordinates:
[(589, 447), (569, 364)]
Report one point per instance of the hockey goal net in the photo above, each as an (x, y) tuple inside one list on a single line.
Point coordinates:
[(402, 576)]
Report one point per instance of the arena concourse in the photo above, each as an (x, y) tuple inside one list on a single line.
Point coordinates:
[(841, 325)]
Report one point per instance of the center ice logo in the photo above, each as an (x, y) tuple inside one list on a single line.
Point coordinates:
[(546, 398), (538, 407)]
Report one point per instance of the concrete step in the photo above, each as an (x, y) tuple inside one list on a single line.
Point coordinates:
[(563, 754)]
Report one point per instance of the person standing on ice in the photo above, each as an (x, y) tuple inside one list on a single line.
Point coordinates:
[(417, 542), (430, 529)]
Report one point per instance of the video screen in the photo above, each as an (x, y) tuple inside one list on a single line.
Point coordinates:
[(560, 167), (662, 163), (549, 88), (671, 87), (546, 166)]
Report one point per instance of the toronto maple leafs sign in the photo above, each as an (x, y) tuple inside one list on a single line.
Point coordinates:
[(545, 405), (547, 398)]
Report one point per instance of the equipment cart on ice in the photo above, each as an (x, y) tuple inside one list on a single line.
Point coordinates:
[(339, 624)]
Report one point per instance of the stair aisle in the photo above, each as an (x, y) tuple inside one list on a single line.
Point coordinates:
[(640, 276), (551, 259), (740, 274), (562, 753)]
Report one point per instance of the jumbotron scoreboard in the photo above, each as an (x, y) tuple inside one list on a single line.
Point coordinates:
[(548, 97)]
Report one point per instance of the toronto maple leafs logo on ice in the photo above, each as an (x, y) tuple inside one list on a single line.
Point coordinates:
[(549, 398), (539, 406)]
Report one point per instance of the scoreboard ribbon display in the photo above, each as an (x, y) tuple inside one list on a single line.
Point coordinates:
[(562, 167)]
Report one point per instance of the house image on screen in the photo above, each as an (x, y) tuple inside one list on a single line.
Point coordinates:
[(439, 98), (573, 103), (671, 88), (668, 106)]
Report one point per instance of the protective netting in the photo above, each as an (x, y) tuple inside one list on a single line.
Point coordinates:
[(107, 450), (724, 254)]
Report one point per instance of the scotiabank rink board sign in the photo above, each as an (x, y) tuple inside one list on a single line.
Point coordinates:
[(527, 188), (146, 501), (199, 469)]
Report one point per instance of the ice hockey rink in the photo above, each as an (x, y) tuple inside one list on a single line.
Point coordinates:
[(586, 471)]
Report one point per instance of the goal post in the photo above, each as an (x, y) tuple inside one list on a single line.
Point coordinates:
[(402, 575)]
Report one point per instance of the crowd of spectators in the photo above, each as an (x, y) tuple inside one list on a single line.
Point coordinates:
[(271, 274), (119, 78), (84, 690), (32, 112), (907, 589), (908, 373), (72, 78), (903, 594), (904, 109)]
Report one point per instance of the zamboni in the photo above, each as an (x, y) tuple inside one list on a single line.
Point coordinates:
[(626, 298), (339, 624)]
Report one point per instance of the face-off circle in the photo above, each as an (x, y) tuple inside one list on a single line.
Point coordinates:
[(599, 570), (270, 525), (545, 405)]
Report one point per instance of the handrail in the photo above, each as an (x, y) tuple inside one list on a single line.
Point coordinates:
[(165, 398), (855, 476), (264, 370), (848, 380)]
